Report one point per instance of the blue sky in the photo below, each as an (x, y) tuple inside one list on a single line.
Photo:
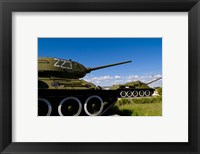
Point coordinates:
[(145, 53)]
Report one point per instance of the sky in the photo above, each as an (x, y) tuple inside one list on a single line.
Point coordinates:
[(145, 54)]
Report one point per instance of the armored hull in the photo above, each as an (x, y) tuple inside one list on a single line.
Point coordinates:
[(64, 97)]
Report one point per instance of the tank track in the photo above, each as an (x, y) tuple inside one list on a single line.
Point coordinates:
[(56, 102), (131, 93)]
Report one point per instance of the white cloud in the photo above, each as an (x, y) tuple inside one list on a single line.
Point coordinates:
[(133, 77), (118, 82), (117, 77), (101, 78), (113, 80)]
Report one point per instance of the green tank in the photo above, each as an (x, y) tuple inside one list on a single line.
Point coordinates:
[(61, 92), (134, 89)]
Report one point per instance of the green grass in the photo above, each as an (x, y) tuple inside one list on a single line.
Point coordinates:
[(139, 107)]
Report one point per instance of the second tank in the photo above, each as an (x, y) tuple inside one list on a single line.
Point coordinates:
[(134, 89)]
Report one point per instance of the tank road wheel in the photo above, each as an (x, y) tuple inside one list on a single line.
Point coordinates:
[(129, 93), (147, 93), (70, 106), (141, 93), (123, 94), (44, 107), (93, 105), (135, 93)]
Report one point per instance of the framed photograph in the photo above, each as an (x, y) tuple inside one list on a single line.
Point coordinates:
[(99, 76), (69, 88)]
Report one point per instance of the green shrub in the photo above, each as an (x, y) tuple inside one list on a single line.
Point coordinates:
[(139, 106), (157, 99), (159, 89), (123, 101)]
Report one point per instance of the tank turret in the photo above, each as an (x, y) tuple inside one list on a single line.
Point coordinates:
[(55, 67)]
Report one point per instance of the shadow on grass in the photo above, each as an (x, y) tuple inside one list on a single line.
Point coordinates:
[(124, 112)]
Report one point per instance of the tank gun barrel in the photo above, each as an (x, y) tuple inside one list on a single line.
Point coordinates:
[(104, 66), (154, 80)]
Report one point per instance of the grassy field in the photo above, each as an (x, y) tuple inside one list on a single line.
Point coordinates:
[(139, 106)]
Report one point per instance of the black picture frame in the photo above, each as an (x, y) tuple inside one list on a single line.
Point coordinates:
[(9, 6)]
